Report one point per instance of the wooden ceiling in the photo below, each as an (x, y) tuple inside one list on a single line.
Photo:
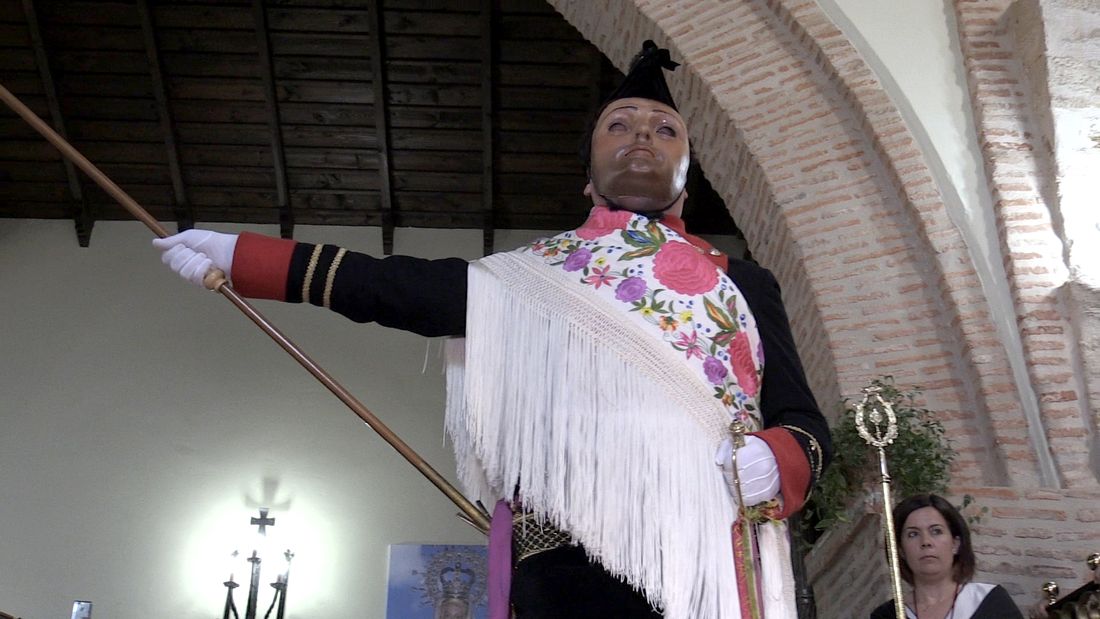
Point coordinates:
[(445, 114)]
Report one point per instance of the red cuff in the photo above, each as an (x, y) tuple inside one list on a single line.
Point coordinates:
[(260, 266), (794, 468)]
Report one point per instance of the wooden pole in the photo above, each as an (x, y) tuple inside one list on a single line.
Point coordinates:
[(215, 280)]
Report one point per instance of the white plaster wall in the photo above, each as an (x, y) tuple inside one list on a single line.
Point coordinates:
[(140, 418), (1072, 45)]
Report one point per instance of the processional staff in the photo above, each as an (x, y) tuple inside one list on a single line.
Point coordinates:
[(215, 280), (881, 431)]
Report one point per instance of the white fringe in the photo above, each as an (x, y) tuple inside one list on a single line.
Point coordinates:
[(600, 428), (777, 578)]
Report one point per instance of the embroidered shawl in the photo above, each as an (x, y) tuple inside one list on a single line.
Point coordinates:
[(600, 370)]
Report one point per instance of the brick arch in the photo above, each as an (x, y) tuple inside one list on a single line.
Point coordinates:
[(834, 196)]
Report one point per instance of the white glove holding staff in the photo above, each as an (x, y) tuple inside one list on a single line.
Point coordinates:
[(756, 466), (192, 253)]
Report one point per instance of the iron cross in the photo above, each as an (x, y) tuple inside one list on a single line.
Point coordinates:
[(263, 521)]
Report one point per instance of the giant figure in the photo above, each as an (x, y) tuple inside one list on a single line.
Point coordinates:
[(593, 377)]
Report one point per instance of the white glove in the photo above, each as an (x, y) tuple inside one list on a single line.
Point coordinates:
[(756, 466), (192, 253)]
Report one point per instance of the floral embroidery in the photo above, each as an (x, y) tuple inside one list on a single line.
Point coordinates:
[(683, 269), (689, 343), (630, 289), (667, 283), (578, 260), (603, 222), (743, 367), (599, 277), (716, 372)]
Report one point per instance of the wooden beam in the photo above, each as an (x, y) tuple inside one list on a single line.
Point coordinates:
[(597, 66), (83, 219), (278, 153), (181, 206), (488, 178), (381, 120)]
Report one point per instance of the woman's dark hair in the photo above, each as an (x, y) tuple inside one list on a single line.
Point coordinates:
[(963, 565), (585, 148)]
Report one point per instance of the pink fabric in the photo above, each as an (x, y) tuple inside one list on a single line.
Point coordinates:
[(500, 561), (719, 259), (682, 268), (603, 221), (744, 366)]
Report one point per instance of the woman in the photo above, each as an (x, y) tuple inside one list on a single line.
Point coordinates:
[(938, 562)]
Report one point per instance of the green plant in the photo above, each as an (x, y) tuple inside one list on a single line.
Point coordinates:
[(919, 459)]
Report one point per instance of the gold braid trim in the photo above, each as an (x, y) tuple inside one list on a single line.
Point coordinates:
[(816, 455), (331, 277), (308, 280)]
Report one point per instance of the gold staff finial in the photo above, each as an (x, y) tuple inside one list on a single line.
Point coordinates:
[(878, 427), (883, 428)]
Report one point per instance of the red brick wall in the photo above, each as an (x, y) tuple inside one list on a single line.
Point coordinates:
[(996, 42)]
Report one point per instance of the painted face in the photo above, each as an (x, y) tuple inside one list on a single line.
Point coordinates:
[(640, 154), (927, 544)]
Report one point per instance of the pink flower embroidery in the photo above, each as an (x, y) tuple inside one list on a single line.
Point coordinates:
[(683, 269), (743, 367), (690, 345), (603, 221), (600, 277)]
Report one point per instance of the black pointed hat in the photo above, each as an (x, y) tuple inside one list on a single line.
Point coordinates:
[(646, 78)]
